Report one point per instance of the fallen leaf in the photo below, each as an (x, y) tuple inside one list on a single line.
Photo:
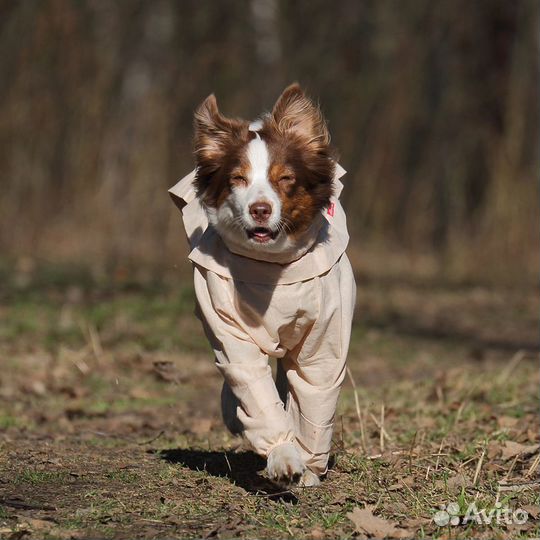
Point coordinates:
[(459, 480), (520, 527), (222, 528), (400, 507), (37, 387), (512, 449), (532, 509), (317, 533), (38, 524), (340, 498), (407, 481), (366, 522), (493, 449), (507, 421), (167, 371), (416, 523)]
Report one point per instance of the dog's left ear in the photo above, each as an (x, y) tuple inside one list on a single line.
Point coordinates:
[(295, 114)]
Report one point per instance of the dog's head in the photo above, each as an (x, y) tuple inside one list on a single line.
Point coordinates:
[(264, 183)]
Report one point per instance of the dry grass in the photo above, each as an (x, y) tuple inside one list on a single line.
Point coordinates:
[(110, 419)]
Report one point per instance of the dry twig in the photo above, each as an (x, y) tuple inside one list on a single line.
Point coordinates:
[(358, 412)]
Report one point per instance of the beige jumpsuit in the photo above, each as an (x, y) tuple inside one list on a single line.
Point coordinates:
[(299, 312)]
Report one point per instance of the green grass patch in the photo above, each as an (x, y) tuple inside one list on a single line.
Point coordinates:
[(36, 477)]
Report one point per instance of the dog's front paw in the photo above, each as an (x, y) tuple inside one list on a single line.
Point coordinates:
[(309, 479), (285, 464)]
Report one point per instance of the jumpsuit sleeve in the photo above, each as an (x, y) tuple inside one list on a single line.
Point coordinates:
[(243, 365)]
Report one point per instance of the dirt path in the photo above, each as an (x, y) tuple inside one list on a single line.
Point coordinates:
[(109, 420)]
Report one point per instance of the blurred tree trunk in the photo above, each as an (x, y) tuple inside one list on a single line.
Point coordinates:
[(433, 107)]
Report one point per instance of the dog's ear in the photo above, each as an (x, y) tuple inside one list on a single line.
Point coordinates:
[(294, 113), (213, 132), (215, 137)]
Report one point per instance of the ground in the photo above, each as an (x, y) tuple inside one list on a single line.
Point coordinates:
[(110, 425)]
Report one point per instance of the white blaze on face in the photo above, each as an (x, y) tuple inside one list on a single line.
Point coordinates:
[(233, 216), (259, 188)]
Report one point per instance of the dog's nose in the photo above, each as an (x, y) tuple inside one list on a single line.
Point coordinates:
[(260, 211)]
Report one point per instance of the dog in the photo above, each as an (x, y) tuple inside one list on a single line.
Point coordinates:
[(272, 279)]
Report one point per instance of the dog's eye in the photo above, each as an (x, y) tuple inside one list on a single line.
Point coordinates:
[(238, 180)]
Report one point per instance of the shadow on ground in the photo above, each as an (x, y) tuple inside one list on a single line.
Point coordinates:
[(241, 468)]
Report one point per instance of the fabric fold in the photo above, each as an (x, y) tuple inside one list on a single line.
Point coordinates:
[(328, 241)]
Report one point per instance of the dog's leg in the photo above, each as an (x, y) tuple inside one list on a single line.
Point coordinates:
[(245, 367), (285, 463), (286, 458), (229, 408), (316, 374), (282, 384)]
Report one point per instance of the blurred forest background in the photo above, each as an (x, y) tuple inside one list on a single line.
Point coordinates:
[(107, 425), (432, 105)]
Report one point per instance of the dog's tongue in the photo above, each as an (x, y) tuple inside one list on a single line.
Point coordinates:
[(261, 234)]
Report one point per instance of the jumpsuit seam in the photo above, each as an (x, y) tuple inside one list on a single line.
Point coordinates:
[(340, 311), (331, 424), (318, 292)]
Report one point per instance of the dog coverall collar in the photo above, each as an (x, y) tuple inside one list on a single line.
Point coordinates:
[(322, 246)]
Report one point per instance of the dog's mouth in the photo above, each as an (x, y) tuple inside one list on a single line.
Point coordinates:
[(261, 235)]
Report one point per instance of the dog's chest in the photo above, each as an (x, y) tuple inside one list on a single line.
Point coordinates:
[(304, 318), (277, 317)]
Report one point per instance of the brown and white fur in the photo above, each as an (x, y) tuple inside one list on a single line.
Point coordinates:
[(263, 184)]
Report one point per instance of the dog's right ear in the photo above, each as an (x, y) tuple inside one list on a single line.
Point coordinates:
[(213, 132)]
